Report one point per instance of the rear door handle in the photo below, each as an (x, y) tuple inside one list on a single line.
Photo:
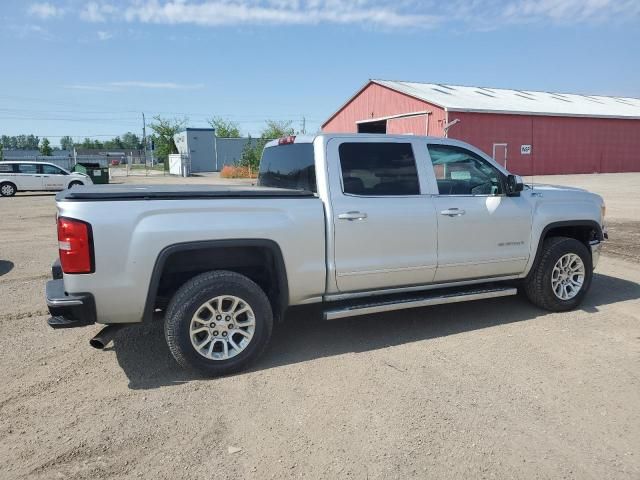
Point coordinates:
[(352, 216), (452, 212)]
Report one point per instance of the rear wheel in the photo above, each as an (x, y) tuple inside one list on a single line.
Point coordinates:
[(218, 323), (562, 275), (7, 189)]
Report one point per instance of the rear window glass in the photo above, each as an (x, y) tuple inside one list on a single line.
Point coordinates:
[(378, 169), (288, 166), (7, 167)]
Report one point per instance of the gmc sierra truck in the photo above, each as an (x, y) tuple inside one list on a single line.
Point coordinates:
[(356, 223)]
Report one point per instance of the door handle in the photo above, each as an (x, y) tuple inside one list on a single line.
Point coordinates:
[(352, 216), (452, 212)]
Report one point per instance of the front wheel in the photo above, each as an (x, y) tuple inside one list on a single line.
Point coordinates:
[(562, 276), (75, 184), (7, 189), (218, 323)]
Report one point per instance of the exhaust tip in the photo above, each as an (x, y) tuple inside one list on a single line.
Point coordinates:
[(97, 343), (104, 336)]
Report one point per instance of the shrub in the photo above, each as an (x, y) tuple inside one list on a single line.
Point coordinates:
[(230, 171)]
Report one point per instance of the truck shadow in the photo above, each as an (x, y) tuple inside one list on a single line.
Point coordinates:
[(144, 356)]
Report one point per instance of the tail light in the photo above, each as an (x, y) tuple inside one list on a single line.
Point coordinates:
[(288, 140), (75, 243)]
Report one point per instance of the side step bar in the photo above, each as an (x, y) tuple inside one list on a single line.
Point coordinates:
[(434, 298)]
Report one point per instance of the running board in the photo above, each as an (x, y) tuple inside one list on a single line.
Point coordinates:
[(435, 298)]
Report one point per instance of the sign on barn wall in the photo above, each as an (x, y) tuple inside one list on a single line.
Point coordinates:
[(525, 149)]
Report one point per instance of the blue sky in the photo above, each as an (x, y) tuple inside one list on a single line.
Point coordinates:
[(88, 68)]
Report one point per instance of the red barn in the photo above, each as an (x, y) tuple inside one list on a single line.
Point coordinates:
[(531, 132)]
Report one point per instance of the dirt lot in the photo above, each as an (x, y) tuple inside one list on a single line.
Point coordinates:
[(490, 389)]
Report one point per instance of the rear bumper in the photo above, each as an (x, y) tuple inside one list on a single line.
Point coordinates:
[(68, 311)]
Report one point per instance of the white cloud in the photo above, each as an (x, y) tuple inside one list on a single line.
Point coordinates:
[(129, 84), (92, 88), (570, 11), (157, 85), (96, 12), (102, 35), (385, 14), (45, 10), (277, 12), (28, 30)]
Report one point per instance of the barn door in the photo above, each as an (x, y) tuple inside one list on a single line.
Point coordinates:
[(500, 153)]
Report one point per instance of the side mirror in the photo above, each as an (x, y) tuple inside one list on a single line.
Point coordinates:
[(514, 185)]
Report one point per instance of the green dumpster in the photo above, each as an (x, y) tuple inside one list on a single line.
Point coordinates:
[(97, 173)]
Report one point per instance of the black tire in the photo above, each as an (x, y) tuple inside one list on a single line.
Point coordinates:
[(75, 184), (538, 285), (7, 189), (187, 301)]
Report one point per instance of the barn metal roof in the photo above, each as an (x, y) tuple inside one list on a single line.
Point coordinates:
[(523, 102)]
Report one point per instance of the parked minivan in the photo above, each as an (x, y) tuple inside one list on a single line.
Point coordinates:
[(16, 176)]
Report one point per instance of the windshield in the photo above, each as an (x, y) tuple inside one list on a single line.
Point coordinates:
[(288, 166)]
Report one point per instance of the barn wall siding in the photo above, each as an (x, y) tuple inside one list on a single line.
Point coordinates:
[(559, 144), (376, 101)]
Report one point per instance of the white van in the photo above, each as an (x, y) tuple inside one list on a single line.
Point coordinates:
[(23, 176)]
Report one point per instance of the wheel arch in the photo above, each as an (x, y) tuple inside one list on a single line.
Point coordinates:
[(582, 230), (258, 259)]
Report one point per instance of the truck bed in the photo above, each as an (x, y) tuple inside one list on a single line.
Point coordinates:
[(98, 193)]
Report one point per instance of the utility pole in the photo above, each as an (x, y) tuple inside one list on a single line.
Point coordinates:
[(144, 139), (304, 125)]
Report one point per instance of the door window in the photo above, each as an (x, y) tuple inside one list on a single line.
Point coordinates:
[(52, 170), (378, 169), (459, 171), (29, 168)]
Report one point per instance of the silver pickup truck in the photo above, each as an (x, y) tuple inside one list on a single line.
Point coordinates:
[(356, 223)]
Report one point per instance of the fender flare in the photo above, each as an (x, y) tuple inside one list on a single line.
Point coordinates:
[(270, 245), (566, 223)]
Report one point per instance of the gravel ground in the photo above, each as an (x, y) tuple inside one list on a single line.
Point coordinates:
[(489, 389)]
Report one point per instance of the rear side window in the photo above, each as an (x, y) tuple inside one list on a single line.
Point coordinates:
[(288, 166), (378, 169), (51, 170), (6, 168), (27, 168)]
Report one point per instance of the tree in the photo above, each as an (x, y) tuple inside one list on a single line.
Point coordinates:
[(45, 147), (224, 128), (1, 152), (20, 142), (66, 143), (276, 129), (131, 141), (8, 142), (114, 143), (165, 129)]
